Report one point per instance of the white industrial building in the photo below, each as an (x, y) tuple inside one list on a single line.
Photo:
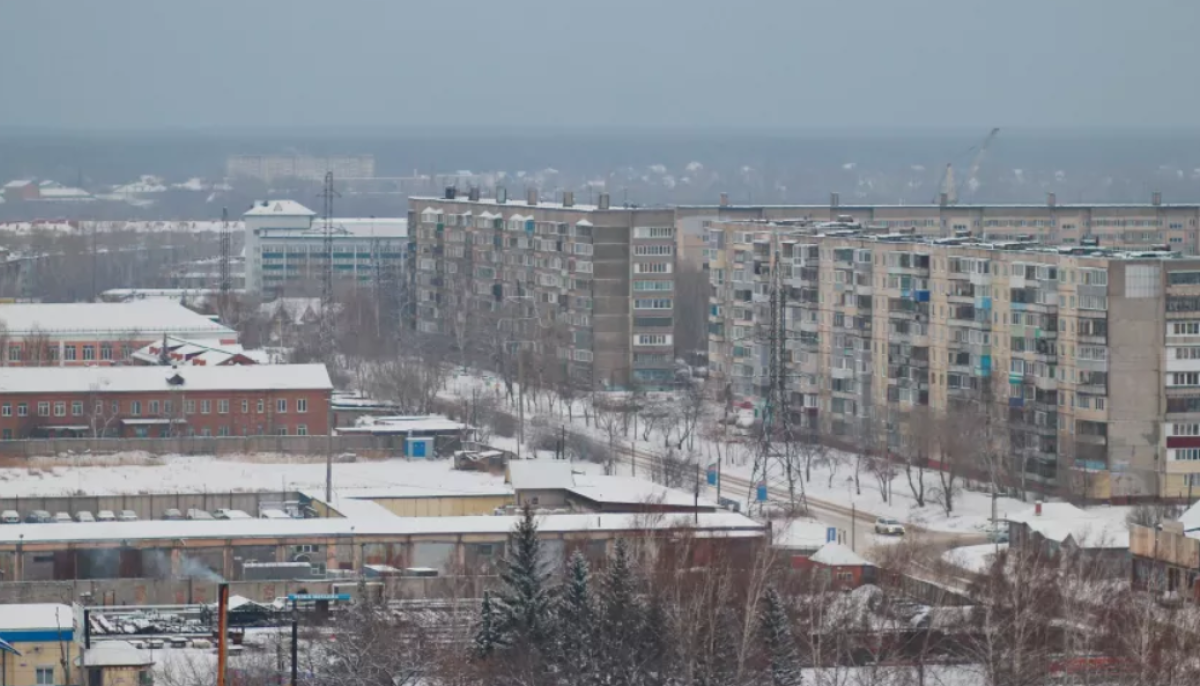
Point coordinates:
[(285, 248)]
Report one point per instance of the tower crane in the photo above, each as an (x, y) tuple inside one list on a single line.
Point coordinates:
[(948, 187)]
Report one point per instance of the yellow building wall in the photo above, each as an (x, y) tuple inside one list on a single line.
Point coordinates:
[(22, 670), (447, 506), (122, 676)]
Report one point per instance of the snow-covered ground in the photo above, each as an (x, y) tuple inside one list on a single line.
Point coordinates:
[(832, 481), (973, 558)]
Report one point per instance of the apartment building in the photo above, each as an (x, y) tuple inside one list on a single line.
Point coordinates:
[(588, 288), (1091, 355), (1131, 226), (160, 402), (285, 249)]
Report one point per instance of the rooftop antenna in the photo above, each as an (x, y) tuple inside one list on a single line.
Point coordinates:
[(328, 194)]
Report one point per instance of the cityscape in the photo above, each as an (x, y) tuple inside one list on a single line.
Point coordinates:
[(729, 354)]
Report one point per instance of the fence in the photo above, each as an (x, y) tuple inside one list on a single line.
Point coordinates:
[(364, 445)]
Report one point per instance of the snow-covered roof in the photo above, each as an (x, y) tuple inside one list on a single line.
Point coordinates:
[(803, 534), (115, 654), (51, 616), (190, 353), (838, 555), (1086, 532), (18, 183), (151, 379), (279, 208), (1191, 518), (540, 475), (404, 425), (629, 490), (390, 526), (144, 318)]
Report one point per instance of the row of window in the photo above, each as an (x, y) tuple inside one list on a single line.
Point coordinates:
[(153, 407), (70, 352)]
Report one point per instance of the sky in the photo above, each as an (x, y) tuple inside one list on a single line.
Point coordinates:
[(536, 64)]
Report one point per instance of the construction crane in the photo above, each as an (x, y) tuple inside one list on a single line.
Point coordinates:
[(948, 188)]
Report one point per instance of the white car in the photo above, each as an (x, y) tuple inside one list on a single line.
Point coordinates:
[(889, 527)]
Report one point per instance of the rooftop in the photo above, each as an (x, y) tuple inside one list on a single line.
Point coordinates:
[(36, 616), (518, 203), (143, 318), (950, 208), (544, 475), (152, 530), (838, 555), (152, 379), (279, 208), (356, 227), (115, 654)]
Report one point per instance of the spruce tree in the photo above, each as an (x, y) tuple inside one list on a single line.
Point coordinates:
[(577, 624), (775, 628), (488, 638), (525, 604), (621, 619)]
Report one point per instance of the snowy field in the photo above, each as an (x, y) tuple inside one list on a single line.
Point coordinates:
[(832, 482)]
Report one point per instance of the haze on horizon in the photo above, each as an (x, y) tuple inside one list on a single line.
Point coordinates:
[(765, 64)]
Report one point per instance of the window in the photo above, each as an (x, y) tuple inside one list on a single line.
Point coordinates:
[(653, 285), (653, 250), (8, 434), (22, 410), (222, 431), (1185, 379), (6, 410), (205, 406), (135, 408), (1190, 353), (652, 339), (106, 351), (76, 408), (89, 352), (60, 408), (281, 405), (1185, 328), (652, 304), (43, 408), (302, 405), (583, 355), (167, 407), (69, 353), (154, 408), (222, 407), (1185, 454), (261, 406), (301, 429), (44, 676), (281, 431), (654, 232), (652, 268), (245, 407), (14, 353), (190, 407), (1185, 429)]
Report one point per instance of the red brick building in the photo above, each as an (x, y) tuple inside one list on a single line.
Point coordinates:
[(153, 402), (839, 566)]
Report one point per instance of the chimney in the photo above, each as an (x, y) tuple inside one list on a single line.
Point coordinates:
[(1156, 198), (451, 191), (223, 631), (603, 204), (1051, 199), (943, 199), (531, 196), (473, 194), (568, 199), (501, 195), (1037, 508), (835, 199), (724, 200)]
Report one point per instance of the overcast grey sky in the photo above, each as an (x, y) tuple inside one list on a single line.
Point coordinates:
[(611, 63)]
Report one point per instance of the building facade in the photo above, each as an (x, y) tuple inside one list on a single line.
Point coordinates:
[(157, 402), (285, 250), (1082, 357), (38, 644), (588, 289)]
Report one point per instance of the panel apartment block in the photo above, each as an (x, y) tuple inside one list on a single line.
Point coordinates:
[(588, 287), (1093, 355)]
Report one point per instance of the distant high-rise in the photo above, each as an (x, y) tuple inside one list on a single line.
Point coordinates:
[(269, 168)]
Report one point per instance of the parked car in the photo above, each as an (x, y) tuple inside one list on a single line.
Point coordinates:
[(106, 516), (172, 514), (127, 516), (10, 517), (271, 513), (198, 514), (38, 517), (889, 527), (63, 517), (84, 517), (230, 514), (998, 535)]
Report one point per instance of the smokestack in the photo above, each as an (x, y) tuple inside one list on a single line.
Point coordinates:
[(724, 200), (835, 199), (501, 195), (1156, 198), (531, 196), (943, 199), (222, 631), (568, 199), (1037, 508), (604, 202), (1051, 199)]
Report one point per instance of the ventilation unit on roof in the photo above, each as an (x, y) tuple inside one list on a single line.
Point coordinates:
[(835, 199), (604, 201), (473, 194), (568, 199), (450, 192), (531, 196), (501, 195), (175, 380)]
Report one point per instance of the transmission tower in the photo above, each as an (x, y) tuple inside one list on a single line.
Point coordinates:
[(225, 285), (327, 304)]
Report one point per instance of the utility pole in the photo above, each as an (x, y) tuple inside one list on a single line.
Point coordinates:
[(225, 285), (327, 304)]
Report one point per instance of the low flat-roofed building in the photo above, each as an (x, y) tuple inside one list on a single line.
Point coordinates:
[(39, 637), (552, 484)]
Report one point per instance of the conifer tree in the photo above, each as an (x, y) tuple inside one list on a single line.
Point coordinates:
[(775, 628), (621, 619), (525, 603), (577, 624), (488, 638)]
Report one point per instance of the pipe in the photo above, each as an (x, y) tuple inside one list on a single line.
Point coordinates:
[(223, 631)]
